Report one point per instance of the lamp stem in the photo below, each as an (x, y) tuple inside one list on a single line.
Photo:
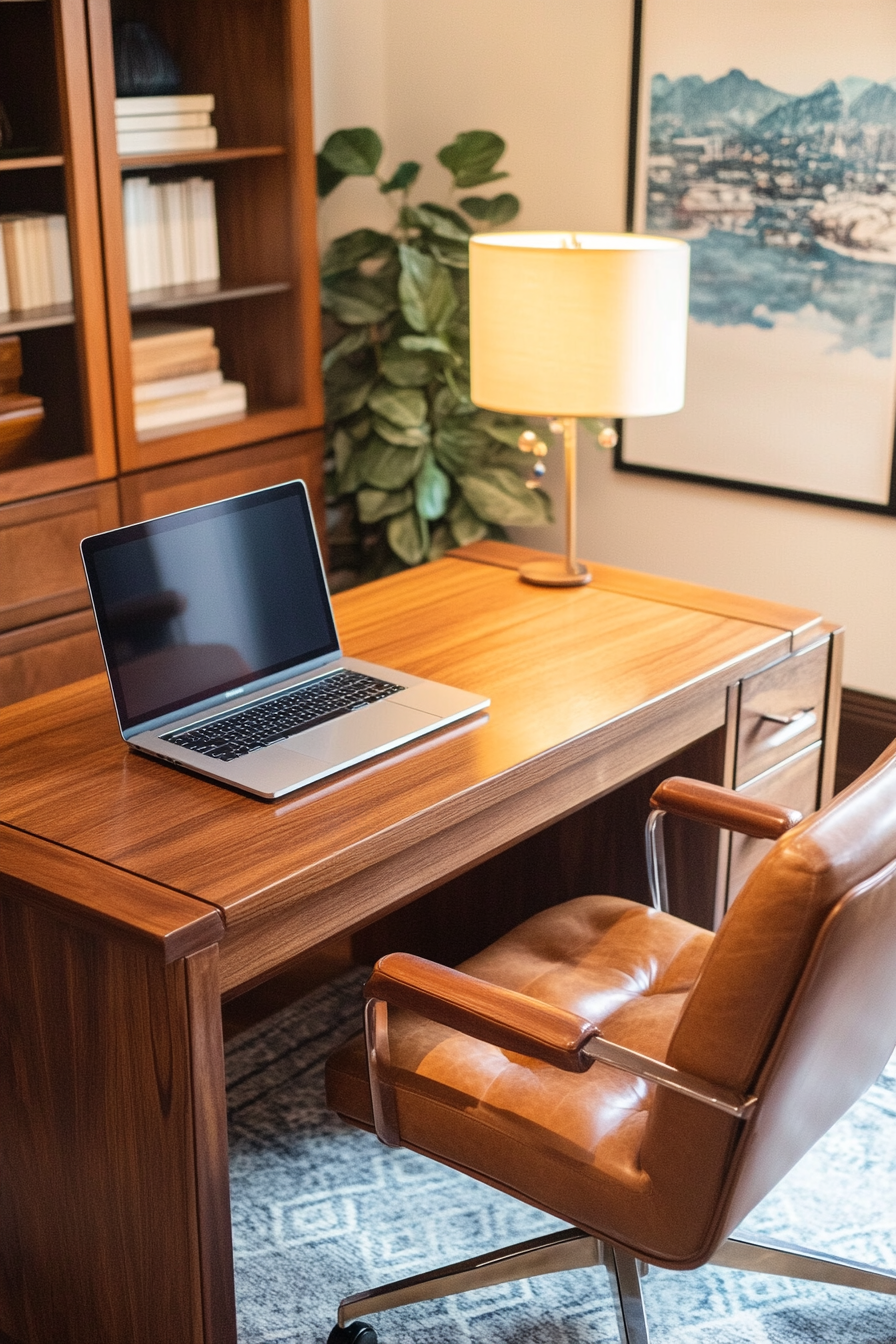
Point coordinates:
[(569, 452), (566, 573)]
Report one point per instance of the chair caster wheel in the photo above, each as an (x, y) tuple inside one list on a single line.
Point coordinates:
[(359, 1332)]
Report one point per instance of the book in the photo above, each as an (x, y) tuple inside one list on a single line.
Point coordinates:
[(175, 242), (21, 292), (59, 259), (166, 102), (203, 229), (10, 362), (164, 121), (225, 400), (161, 388), (21, 418), (166, 142), (172, 350), (5, 304)]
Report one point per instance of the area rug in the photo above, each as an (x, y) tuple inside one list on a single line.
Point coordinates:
[(321, 1210)]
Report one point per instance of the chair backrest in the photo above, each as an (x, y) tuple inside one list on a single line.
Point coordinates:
[(796, 1003)]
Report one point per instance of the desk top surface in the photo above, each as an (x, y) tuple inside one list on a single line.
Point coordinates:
[(570, 673)]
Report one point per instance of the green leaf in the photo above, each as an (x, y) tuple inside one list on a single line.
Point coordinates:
[(440, 541), (354, 153), (376, 504), (342, 447), (447, 403), (357, 300), (403, 406), (344, 253), (416, 437), (358, 428), (497, 210), (450, 253), (460, 447), (432, 489), (351, 341), (425, 290), (420, 343), (328, 177), (505, 429), (350, 476), (405, 368), (465, 524), (499, 496), (347, 390), (408, 536), (409, 219), (405, 176), (387, 467), (471, 157), (443, 222)]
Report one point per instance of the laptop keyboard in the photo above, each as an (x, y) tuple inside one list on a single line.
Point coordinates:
[(259, 725)]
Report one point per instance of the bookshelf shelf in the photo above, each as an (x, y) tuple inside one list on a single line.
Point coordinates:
[(206, 291), (143, 161), (36, 319), (13, 165)]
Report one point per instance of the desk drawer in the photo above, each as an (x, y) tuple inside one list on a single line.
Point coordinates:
[(793, 784), (781, 711)]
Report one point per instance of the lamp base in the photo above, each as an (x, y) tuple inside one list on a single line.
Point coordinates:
[(555, 573)]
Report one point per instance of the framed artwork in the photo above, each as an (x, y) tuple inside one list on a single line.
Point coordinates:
[(765, 135)]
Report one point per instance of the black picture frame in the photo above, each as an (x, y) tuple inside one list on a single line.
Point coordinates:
[(766, 209)]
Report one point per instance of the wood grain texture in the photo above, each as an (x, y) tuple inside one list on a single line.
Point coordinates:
[(632, 682), (166, 924), (800, 622), (48, 654), (210, 1146), (41, 574), (98, 1221)]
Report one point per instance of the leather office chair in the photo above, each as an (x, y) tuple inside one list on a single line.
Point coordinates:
[(640, 1078)]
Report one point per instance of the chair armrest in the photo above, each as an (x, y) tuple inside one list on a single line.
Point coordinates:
[(498, 1016), (698, 801), (510, 1021)]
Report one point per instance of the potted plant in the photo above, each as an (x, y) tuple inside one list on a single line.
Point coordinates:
[(413, 465)]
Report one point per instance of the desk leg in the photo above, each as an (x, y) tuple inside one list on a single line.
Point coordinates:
[(114, 1213)]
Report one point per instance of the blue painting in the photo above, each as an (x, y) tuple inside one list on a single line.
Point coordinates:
[(788, 200)]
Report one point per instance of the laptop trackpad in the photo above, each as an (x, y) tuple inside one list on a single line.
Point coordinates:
[(360, 732)]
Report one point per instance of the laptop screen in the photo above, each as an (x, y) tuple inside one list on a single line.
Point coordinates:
[(210, 600)]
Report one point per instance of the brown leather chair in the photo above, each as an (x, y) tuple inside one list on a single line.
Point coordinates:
[(642, 1079)]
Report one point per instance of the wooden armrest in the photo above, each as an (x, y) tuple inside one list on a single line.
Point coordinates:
[(498, 1016), (510, 1021), (698, 801)]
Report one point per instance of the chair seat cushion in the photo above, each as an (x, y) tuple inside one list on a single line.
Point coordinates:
[(566, 1142)]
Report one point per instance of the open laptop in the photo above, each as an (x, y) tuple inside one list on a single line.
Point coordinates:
[(222, 651)]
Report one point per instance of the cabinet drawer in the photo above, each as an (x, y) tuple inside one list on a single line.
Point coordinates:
[(160, 490), (40, 565), (793, 784), (48, 655), (781, 711)]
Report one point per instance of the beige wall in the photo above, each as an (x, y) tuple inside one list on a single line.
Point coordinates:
[(551, 76)]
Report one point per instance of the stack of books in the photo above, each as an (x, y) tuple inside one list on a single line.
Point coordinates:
[(178, 383), (170, 232), (169, 124), (35, 268), (21, 416)]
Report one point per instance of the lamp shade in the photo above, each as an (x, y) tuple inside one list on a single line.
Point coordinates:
[(585, 324)]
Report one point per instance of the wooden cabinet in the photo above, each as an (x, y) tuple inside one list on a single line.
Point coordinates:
[(88, 470), (782, 731)]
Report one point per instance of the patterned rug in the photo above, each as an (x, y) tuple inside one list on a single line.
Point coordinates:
[(321, 1210)]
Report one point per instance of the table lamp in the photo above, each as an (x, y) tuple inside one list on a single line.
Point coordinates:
[(577, 324)]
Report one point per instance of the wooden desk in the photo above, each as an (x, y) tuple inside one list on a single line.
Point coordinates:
[(133, 896)]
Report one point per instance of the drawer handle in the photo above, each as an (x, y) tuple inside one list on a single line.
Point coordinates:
[(792, 725), (787, 719)]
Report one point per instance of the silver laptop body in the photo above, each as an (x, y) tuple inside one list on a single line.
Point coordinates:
[(224, 608)]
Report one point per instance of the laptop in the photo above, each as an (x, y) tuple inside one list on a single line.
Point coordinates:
[(222, 651)]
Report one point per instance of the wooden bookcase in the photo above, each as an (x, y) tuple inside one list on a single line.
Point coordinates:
[(91, 471)]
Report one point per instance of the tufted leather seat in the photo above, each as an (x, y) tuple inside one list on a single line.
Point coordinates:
[(793, 1001)]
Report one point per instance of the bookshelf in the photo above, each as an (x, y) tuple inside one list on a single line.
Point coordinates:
[(91, 470)]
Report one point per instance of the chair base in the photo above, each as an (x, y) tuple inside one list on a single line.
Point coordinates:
[(573, 1249)]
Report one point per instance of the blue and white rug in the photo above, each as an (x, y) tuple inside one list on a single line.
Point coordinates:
[(321, 1210)]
